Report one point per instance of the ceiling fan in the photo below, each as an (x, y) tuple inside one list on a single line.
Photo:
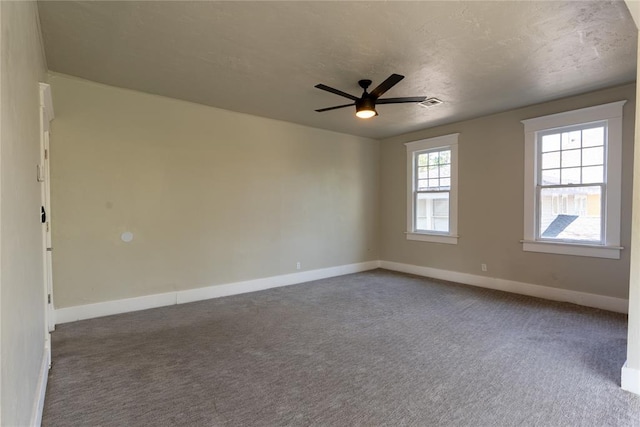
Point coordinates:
[(366, 104)]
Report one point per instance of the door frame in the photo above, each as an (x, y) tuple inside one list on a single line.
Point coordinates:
[(46, 115)]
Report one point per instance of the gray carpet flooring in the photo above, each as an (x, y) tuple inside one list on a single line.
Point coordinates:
[(367, 349)]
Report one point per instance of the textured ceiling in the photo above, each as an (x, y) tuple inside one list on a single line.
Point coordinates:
[(264, 58)]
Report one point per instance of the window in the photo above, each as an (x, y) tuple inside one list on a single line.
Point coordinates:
[(573, 182), (432, 192)]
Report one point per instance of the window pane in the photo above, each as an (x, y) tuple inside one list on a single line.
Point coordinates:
[(423, 184), (571, 140), (423, 159), (434, 182), (551, 142), (445, 171), (445, 183), (551, 177), (570, 176), (593, 137), (441, 207), (422, 172), (441, 224), (433, 171), (593, 156), (445, 157), (571, 214), (570, 158), (592, 174), (432, 212), (551, 160), (433, 158)]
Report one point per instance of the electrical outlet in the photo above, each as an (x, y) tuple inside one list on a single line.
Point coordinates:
[(483, 267), (298, 265)]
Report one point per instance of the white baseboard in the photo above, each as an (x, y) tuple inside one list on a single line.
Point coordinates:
[(89, 311), (218, 291), (107, 308), (630, 380), (38, 404), (618, 305)]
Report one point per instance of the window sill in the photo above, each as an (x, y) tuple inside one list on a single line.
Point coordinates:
[(577, 249), (434, 238)]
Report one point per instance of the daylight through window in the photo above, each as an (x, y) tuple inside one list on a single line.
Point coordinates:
[(573, 180), (433, 183), (571, 185), (432, 189)]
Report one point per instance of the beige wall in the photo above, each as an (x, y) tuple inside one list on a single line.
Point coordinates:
[(490, 222), (211, 196), (21, 277)]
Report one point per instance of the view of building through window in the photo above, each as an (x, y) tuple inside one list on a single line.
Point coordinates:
[(433, 184), (571, 186)]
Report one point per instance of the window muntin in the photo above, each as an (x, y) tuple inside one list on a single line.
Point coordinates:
[(570, 183)]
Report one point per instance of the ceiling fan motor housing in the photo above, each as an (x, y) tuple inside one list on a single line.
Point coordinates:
[(366, 103)]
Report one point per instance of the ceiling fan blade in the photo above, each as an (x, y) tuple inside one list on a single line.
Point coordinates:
[(334, 108), (391, 81), (336, 91), (401, 100)]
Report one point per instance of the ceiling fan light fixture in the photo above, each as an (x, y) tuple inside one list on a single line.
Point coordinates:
[(366, 104), (365, 114), (366, 108)]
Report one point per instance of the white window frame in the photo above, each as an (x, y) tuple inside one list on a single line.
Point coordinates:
[(416, 147), (610, 247)]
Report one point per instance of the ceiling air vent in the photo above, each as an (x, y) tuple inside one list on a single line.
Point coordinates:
[(430, 102)]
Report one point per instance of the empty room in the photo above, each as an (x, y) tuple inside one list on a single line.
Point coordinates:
[(335, 213)]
